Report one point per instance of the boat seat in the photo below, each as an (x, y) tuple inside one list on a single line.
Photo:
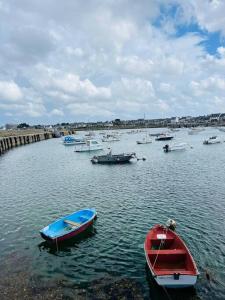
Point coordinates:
[(167, 251), (170, 272), (156, 239), (72, 223)]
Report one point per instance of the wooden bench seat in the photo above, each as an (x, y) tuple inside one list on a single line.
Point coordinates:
[(166, 251), (72, 223), (171, 272)]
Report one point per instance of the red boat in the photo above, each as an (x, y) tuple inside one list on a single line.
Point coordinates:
[(169, 259)]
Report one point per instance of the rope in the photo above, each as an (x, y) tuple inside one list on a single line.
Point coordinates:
[(166, 292), (161, 243), (57, 249)]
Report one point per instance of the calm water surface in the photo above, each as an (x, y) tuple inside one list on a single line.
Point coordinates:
[(46, 180)]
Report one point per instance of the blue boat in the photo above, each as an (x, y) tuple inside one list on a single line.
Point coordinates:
[(69, 226), (70, 140)]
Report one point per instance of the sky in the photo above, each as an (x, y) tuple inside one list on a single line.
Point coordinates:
[(92, 60)]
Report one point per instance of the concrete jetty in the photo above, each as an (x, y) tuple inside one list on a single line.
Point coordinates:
[(9, 142)]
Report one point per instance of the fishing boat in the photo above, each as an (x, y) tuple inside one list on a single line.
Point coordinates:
[(212, 140), (168, 258), (69, 226), (164, 137), (91, 145), (70, 140), (175, 147), (145, 140), (110, 158)]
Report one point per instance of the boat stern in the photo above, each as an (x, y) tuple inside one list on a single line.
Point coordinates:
[(176, 280)]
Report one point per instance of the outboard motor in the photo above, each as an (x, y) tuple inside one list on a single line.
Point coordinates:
[(166, 148), (171, 224)]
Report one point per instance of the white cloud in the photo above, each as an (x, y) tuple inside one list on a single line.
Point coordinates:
[(57, 112), (107, 59), (10, 91)]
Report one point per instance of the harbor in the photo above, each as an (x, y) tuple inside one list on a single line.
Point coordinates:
[(45, 181)]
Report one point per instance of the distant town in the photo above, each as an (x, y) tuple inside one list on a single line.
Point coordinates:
[(174, 122)]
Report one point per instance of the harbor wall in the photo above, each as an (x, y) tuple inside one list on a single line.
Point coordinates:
[(9, 142)]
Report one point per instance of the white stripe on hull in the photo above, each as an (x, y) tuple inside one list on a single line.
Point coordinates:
[(182, 282)]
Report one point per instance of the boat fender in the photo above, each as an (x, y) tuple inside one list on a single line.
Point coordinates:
[(176, 276)]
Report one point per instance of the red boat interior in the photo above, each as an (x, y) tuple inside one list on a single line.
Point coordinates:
[(167, 253)]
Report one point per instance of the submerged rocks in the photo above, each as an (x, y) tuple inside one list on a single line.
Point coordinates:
[(111, 288), (17, 281)]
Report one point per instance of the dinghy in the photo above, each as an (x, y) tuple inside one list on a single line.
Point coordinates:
[(69, 226), (169, 259), (145, 140), (175, 147), (212, 140)]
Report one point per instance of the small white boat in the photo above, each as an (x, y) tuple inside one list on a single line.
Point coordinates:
[(195, 130), (222, 129), (212, 140), (91, 145), (175, 147), (110, 138), (145, 140)]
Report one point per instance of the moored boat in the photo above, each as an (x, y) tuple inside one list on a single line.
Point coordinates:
[(195, 130), (212, 140), (70, 140), (144, 140), (110, 158), (110, 138), (69, 226), (164, 137), (168, 258), (91, 145), (175, 147), (222, 129)]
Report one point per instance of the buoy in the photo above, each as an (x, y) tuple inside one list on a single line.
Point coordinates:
[(171, 224)]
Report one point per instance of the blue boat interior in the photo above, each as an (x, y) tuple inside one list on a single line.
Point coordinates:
[(68, 223)]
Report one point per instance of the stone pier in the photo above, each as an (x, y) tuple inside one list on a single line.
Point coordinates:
[(9, 142)]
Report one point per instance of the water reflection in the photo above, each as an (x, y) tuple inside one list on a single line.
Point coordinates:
[(67, 245)]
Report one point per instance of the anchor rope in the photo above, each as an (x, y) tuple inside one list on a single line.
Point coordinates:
[(162, 241)]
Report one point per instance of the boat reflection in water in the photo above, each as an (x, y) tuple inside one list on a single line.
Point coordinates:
[(66, 245)]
